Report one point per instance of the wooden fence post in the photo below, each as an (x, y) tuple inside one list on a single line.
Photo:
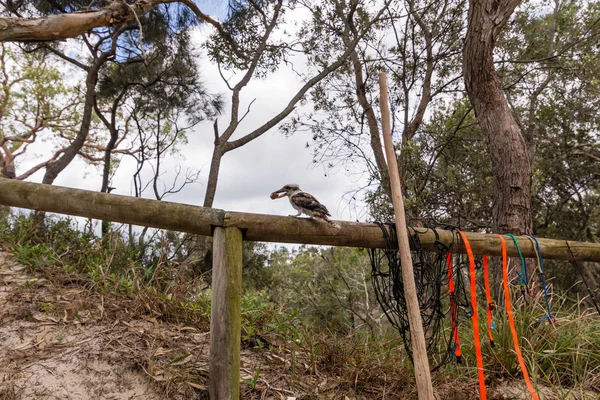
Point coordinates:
[(225, 317)]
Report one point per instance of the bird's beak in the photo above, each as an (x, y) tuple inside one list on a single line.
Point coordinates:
[(278, 193)]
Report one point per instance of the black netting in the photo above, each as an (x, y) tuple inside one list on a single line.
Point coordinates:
[(431, 279)]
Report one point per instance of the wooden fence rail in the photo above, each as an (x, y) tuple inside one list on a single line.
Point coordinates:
[(255, 227), (229, 230)]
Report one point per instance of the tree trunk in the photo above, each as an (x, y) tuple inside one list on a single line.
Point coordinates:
[(112, 142), (7, 166), (200, 247), (511, 168), (114, 135), (56, 167), (508, 150), (372, 124), (213, 175)]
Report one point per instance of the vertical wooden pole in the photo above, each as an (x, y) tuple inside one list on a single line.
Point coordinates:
[(225, 317), (417, 336)]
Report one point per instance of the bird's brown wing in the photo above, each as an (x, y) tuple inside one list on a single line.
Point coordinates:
[(309, 202)]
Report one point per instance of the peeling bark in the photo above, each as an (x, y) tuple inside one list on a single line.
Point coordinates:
[(63, 26)]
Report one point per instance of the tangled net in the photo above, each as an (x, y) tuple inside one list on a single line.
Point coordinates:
[(431, 278)]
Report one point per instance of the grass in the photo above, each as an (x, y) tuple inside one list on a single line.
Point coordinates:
[(560, 357)]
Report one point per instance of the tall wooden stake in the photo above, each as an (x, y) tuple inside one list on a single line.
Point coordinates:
[(225, 316), (417, 336)]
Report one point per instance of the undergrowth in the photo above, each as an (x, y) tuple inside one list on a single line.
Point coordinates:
[(562, 356)]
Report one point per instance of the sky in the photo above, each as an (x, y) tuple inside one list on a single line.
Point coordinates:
[(248, 174)]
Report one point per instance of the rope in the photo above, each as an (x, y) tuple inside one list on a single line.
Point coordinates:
[(453, 312), (523, 277), (474, 317), (511, 320), (491, 305), (540, 261)]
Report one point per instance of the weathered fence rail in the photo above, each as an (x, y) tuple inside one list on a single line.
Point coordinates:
[(255, 227), (229, 230)]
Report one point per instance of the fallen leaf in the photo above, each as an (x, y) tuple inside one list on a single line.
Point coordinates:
[(160, 351), (127, 324), (187, 328), (197, 386), (44, 318)]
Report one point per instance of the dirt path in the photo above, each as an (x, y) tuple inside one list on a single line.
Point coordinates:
[(59, 341), (55, 344)]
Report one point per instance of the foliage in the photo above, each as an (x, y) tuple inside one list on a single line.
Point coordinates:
[(414, 41), (451, 185), (249, 23), (316, 305), (148, 79), (37, 104)]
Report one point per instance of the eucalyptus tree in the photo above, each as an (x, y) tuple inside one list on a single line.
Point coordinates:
[(162, 34), (151, 55), (553, 90), (100, 45), (264, 44), (506, 144), (110, 31), (547, 63), (158, 100)]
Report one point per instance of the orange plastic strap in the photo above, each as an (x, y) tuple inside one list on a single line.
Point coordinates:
[(453, 311), (511, 321), (491, 304), (475, 318)]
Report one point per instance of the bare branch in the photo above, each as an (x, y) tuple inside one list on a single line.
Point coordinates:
[(218, 26), (248, 110), (41, 165)]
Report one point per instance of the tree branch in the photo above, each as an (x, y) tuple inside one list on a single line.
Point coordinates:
[(69, 25), (299, 95)]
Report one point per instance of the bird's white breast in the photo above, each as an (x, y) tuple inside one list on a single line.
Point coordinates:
[(294, 204)]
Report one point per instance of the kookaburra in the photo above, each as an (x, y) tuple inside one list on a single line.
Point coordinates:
[(303, 202)]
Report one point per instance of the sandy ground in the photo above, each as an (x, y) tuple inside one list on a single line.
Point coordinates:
[(55, 344), (59, 341)]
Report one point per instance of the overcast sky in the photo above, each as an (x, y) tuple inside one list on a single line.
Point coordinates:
[(249, 174)]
